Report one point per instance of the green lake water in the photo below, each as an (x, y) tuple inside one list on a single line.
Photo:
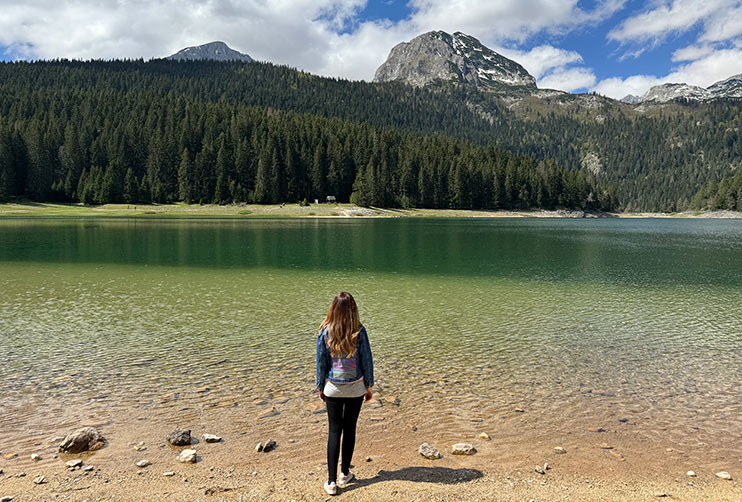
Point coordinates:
[(573, 320)]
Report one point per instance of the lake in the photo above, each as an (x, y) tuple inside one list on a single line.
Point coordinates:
[(632, 323)]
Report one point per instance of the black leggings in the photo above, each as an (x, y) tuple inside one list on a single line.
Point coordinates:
[(342, 414)]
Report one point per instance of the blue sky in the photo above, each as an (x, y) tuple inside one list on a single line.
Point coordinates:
[(614, 47)]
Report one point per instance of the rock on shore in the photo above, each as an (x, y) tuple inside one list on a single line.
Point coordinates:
[(180, 437), (429, 451), (211, 438), (463, 449), (187, 456), (85, 439)]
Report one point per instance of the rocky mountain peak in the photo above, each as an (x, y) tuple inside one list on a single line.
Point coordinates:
[(217, 51), (729, 88), (437, 55), (669, 92), (631, 99)]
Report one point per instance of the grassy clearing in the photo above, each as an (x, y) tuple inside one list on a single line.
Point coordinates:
[(51, 210), (179, 210)]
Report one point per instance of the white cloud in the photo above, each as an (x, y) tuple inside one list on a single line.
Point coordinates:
[(568, 79), (692, 52), (668, 17), (539, 60), (726, 25)]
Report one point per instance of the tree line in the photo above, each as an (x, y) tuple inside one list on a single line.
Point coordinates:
[(107, 145), (724, 195)]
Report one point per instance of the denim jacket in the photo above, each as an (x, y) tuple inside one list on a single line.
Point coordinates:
[(342, 370)]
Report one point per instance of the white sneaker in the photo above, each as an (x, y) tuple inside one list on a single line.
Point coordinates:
[(331, 488), (345, 479)]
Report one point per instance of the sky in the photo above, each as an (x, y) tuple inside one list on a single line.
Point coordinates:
[(613, 47)]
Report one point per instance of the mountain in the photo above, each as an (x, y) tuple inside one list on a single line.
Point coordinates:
[(216, 51), (631, 99), (729, 88), (670, 92), (436, 55)]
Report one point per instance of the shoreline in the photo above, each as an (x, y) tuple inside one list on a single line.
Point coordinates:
[(386, 462), (256, 211)]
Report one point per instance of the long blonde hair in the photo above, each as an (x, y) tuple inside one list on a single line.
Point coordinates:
[(343, 325)]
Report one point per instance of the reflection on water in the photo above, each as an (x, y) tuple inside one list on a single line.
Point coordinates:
[(612, 251), (571, 320)]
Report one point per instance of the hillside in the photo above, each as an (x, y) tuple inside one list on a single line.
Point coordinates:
[(655, 156)]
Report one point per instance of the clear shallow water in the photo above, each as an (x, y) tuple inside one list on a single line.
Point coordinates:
[(577, 321)]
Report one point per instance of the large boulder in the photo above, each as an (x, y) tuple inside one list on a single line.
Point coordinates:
[(85, 439), (180, 437)]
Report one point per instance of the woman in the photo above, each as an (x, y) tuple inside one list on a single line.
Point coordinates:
[(345, 374)]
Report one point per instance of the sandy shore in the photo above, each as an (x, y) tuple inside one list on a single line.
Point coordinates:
[(48, 210), (387, 463)]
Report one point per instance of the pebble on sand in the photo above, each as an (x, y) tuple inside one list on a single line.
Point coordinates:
[(559, 450), (463, 449), (211, 438), (35, 457), (605, 446), (724, 475), (74, 463), (691, 474), (168, 474), (429, 451), (540, 469), (187, 456), (259, 447), (269, 446), (7, 498), (39, 480), (88, 468), (143, 463), (484, 435), (660, 494)]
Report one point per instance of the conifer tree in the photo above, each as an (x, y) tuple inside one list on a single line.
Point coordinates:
[(131, 188), (185, 177)]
